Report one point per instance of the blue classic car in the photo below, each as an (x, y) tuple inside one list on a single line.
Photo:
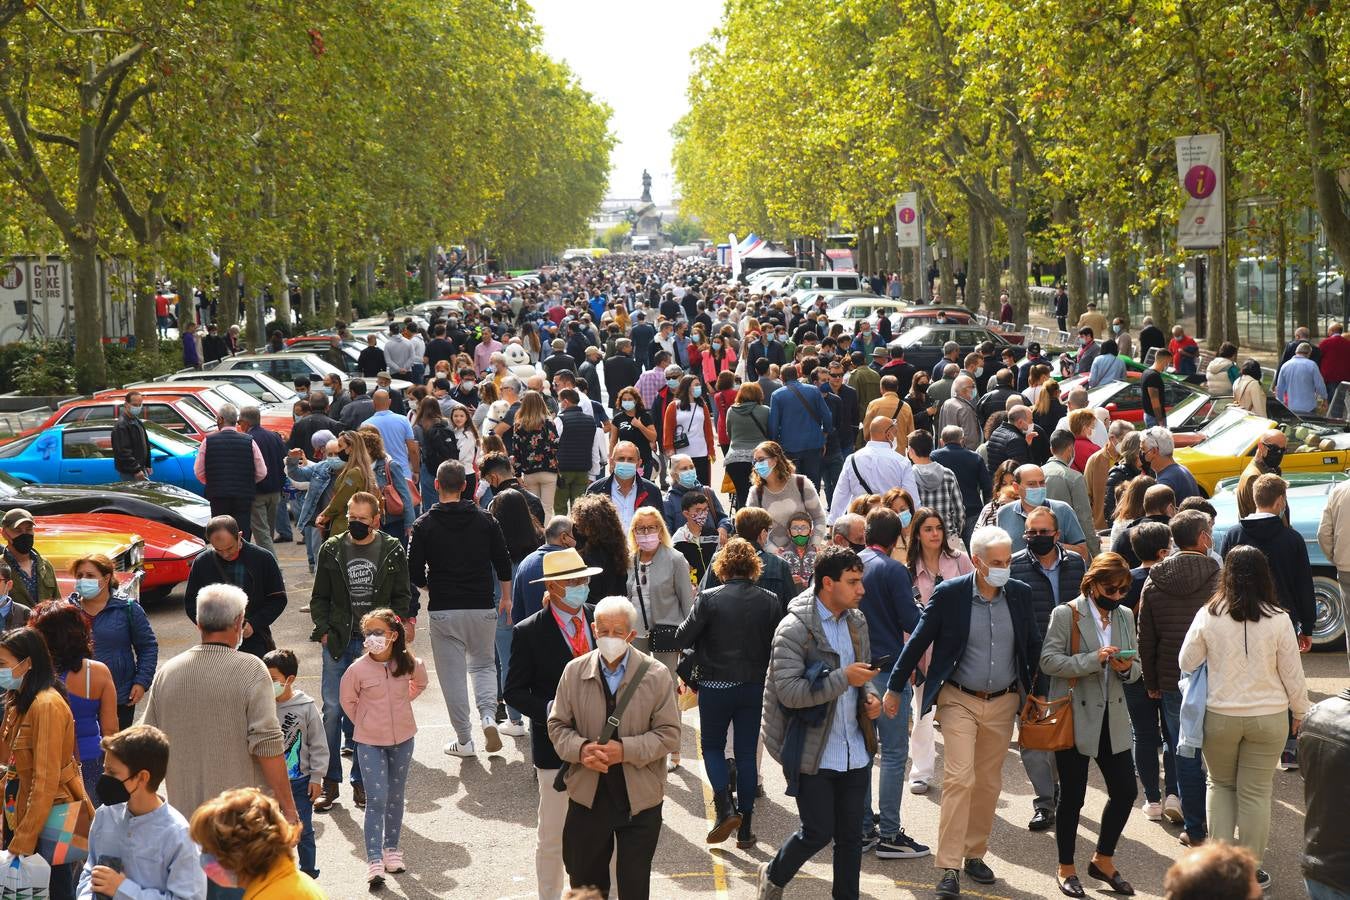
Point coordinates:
[(82, 454), (1307, 497)]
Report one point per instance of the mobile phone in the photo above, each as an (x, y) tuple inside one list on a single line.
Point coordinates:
[(882, 662), (1126, 654), (112, 862)]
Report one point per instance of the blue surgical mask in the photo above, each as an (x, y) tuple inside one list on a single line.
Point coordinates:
[(763, 467), (574, 595), (625, 470), (1036, 496), (689, 478), (696, 391), (905, 518), (672, 383), (87, 587), (717, 345), (9, 681), (628, 405)]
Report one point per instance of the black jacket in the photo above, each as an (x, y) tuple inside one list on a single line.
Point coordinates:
[(539, 653), (306, 427), (847, 421), (1122, 545), (1289, 566), (454, 552), (995, 401), (1323, 757), (256, 572), (371, 362), (1006, 443), (130, 445), (648, 494), (621, 371), (531, 499), (945, 626), (1118, 474), (731, 630), (557, 362), (970, 471)]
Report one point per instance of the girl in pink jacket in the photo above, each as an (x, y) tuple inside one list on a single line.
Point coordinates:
[(377, 693)]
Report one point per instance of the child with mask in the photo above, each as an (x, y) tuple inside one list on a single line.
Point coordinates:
[(162, 857), (377, 694), (801, 556), (306, 747)]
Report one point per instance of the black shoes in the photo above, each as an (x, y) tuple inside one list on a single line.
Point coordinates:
[(745, 835), (1041, 820), (950, 885), (979, 872), (728, 820)]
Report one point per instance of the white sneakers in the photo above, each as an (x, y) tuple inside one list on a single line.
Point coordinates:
[(1172, 809), (1152, 811), (455, 748), (513, 729), (491, 739)]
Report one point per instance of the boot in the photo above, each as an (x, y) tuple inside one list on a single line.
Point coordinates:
[(745, 836), (328, 797), (728, 820), (731, 780)]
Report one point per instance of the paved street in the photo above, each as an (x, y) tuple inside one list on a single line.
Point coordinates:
[(469, 830)]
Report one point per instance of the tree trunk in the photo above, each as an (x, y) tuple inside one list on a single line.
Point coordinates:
[(327, 310), (398, 263), (428, 267), (1324, 160), (1065, 214), (975, 285), (255, 309), (227, 304), (363, 288), (281, 294), (344, 292), (1017, 267), (993, 266), (91, 366), (307, 292), (1281, 280), (144, 324), (1160, 295), (1117, 276), (1214, 300), (946, 273)]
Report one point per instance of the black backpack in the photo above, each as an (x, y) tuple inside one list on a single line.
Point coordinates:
[(438, 445)]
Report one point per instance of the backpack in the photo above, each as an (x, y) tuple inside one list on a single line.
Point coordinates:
[(438, 445)]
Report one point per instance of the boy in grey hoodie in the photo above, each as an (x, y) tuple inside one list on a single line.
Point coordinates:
[(306, 747)]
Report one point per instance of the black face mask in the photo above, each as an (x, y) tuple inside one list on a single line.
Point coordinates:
[(344, 455), (358, 530), (856, 548), (1274, 456), (1107, 604), (112, 790), (1041, 544), (23, 543)]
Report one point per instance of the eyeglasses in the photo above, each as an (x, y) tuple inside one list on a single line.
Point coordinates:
[(375, 632), (647, 529), (1114, 592)]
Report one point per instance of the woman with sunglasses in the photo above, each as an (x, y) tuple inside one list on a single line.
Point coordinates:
[(1090, 652), (932, 559)]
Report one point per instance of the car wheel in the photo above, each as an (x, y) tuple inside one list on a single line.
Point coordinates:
[(1329, 601), (154, 597)]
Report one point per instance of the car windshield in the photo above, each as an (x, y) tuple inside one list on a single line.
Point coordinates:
[(1222, 422), (915, 335), (17, 447), (1235, 440), (9, 485), (171, 441), (234, 394)]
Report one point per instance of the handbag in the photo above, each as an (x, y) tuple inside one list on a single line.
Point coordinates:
[(611, 723), (661, 638), (24, 877), (65, 835), (393, 503), (1048, 724)]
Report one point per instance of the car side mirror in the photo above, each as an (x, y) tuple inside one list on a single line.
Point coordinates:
[(158, 457)]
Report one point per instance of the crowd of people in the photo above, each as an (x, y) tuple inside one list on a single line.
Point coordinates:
[(635, 490)]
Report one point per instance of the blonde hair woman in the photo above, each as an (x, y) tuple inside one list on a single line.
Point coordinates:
[(534, 448), (660, 586), (357, 474)]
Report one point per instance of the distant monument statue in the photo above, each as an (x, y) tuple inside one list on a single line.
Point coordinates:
[(646, 187)]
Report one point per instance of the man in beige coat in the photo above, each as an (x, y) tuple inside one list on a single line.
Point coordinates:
[(615, 789), (1097, 467), (1336, 521)]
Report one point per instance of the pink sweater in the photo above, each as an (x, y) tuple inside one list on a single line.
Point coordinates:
[(379, 703)]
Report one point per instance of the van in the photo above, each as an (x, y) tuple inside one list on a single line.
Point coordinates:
[(805, 284), (641, 244)]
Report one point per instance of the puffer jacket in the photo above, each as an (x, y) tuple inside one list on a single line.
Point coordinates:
[(1026, 568), (1005, 443), (787, 685), (1219, 376), (1120, 473), (1324, 754), (731, 630), (1173, 593), (379, 703)]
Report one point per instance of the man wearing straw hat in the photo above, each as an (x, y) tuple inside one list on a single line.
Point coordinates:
[(541, 647)]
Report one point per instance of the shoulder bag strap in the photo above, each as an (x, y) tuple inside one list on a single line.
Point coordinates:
[(753, 421), (1073, 641), (612, 723), (858, 475), (809, 410), (642, 603)]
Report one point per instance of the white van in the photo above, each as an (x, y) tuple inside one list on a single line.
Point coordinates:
[(808, 284)]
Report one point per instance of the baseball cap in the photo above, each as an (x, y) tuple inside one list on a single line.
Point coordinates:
[(16, 517)]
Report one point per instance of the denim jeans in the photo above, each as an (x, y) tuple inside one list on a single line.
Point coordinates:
[(1150, 733), (830, 467), (719, 709), (428, 487), (504, 659), (1190, 770), (829, 804), (313, 541), (283, 523), (305, 808), (1319, 891), (388, 771), (333, 670), (893, 738)]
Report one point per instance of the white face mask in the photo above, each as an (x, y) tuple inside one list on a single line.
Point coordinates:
[(998, 577), (374, 643), (612, 648)]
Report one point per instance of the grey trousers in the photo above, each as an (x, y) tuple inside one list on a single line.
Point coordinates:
[(265, 519), (1040, 766), (463, 641)]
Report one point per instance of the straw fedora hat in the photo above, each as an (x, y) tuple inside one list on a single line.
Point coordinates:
[(561, 565)]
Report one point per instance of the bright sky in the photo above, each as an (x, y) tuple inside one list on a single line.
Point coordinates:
[(634, 55)]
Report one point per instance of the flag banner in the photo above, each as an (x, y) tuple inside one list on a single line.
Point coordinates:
[(908, 232), (1199, 170)]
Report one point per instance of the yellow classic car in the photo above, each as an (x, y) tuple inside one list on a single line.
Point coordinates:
[(63, 543), (1229, 443)]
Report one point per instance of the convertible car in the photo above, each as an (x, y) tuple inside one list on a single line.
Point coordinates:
[(164, 554), (1228, 443), (1307, 497), (82, 454), (153, 500)]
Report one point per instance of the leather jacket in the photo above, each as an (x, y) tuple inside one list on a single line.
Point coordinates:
[(731, 630), (1324, 756)]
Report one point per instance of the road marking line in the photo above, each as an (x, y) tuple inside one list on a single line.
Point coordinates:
[(719, 872)]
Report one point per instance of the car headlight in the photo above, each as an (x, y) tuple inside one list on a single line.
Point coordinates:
[(136, 555)]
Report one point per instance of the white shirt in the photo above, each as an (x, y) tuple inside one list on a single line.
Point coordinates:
[(881, 467), (1098, 437), (690, 421)]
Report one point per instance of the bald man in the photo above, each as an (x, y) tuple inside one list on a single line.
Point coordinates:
[(399, 442)]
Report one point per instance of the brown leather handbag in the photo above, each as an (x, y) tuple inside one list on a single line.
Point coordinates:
[(1048, 724)]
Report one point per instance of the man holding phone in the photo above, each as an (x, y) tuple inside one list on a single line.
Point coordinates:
[(888, 604)]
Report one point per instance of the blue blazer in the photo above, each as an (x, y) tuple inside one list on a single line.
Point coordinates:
[(945, 626)]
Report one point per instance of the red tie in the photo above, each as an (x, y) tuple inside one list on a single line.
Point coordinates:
[(580, 646)]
